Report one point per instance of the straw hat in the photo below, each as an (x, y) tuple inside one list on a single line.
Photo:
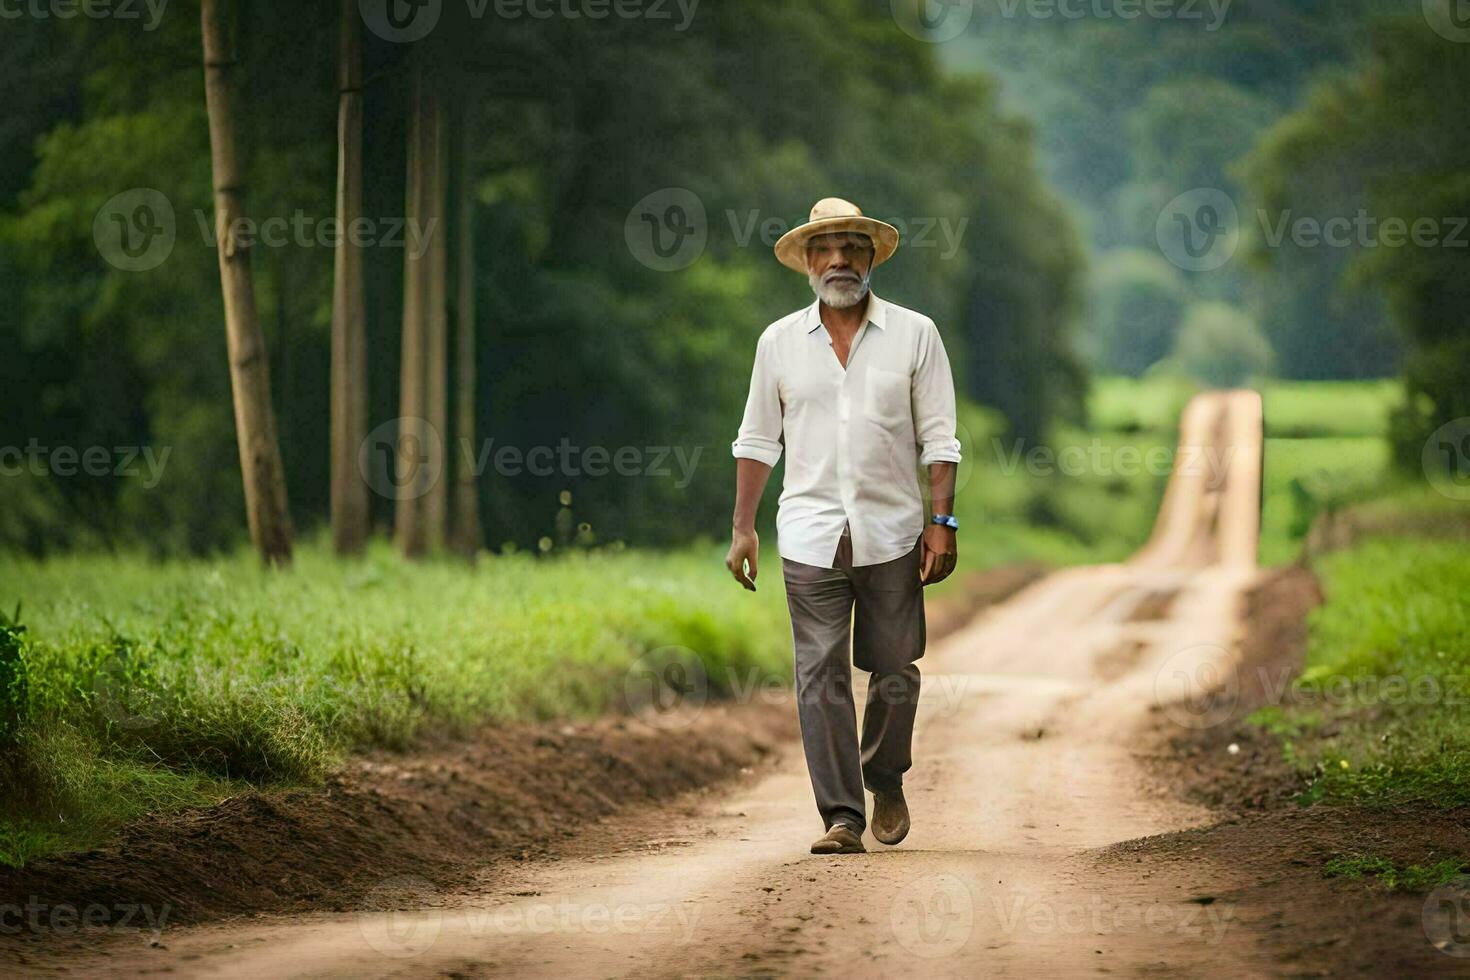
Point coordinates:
[(829, 216)]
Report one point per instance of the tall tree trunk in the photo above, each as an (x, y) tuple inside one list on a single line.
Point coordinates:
[(436, 386), (408, 523), (350, 518), (468, 535), (255, 424)]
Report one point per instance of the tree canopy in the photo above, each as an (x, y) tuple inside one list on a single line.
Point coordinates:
[(755, 110)]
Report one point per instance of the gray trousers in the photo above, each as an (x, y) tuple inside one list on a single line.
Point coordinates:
[(877, 612)]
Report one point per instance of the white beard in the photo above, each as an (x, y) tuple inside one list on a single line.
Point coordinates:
[(840, 294)]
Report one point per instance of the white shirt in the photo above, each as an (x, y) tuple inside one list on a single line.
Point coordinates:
[(854, 438)]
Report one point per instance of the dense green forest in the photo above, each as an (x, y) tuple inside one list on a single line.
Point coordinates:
[(1034, 163), (571, 124), (1285, 108)]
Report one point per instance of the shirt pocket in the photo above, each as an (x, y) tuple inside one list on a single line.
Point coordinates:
[(887, 398)]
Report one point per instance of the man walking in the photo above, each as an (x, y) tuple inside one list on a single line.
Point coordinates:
[(860, 392)]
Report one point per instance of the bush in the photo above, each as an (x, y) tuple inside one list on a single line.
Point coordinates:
[(1221, 346), (1138, 300), (12, 678)]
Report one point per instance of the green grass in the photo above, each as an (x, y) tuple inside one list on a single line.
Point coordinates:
[(1411, 878), (1329, 409), (1082, 496), (151, 685), (1135, 405), (1304, 477), (1381, 712)]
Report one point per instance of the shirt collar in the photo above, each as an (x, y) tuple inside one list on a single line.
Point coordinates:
[(877, 313)]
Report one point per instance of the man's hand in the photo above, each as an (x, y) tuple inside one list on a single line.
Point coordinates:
[(941, 554), (744, 549)]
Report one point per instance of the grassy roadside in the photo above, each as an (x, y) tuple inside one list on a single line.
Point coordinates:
[(1381, 712), (143, 686)]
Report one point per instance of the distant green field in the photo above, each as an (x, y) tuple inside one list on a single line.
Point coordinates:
[(1318, 409), (1325, 445), (1303, 476), (1126, 404)]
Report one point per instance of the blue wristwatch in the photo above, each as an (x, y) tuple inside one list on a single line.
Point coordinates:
[(946, 520)]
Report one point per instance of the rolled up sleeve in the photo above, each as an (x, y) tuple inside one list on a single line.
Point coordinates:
[(934, 402), (760, 430)]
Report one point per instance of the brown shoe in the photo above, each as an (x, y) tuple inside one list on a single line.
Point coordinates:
[(890, 816), (839, 840)]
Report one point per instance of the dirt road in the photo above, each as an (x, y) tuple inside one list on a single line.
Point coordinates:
[(1026, 764)]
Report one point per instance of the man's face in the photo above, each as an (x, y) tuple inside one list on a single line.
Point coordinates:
[(837, 267)]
